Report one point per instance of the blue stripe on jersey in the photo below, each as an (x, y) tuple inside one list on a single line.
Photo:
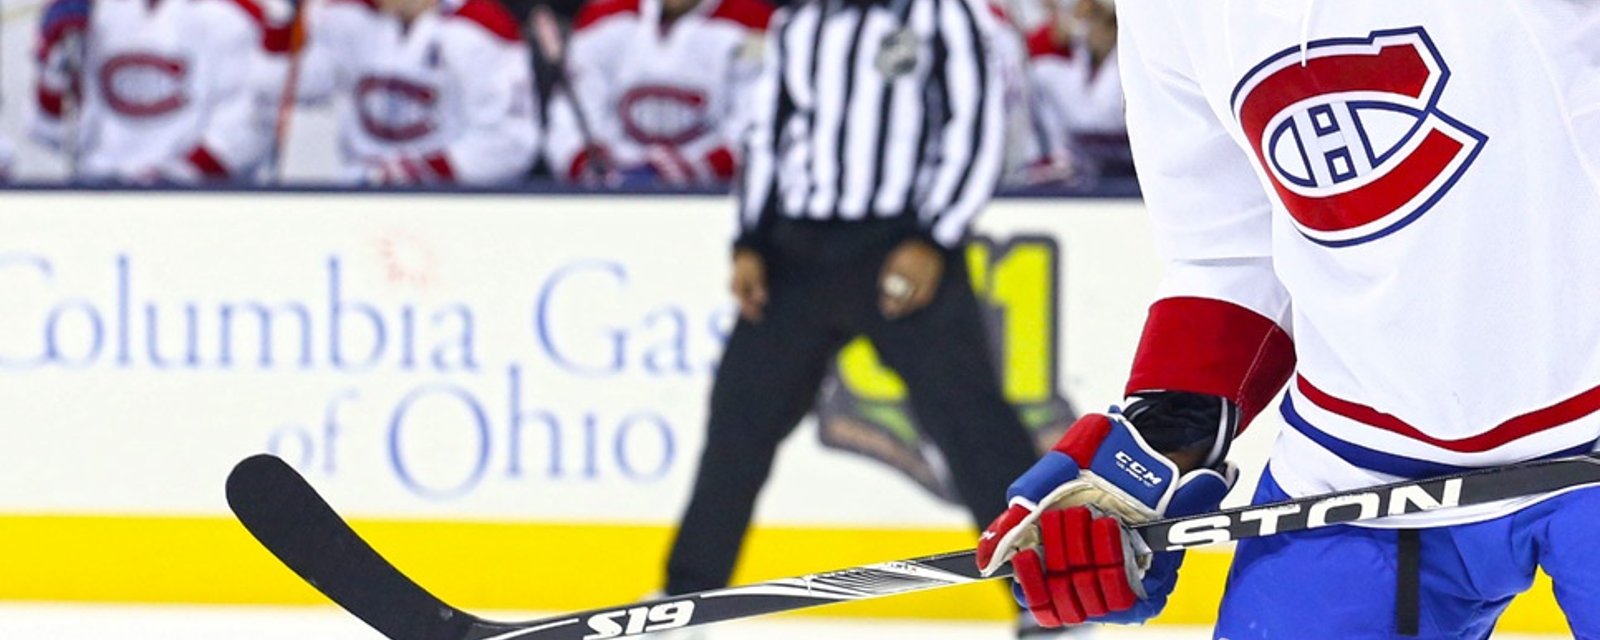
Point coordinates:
[(1384, 462)]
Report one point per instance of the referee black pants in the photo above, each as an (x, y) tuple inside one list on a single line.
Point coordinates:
[(823, 292)]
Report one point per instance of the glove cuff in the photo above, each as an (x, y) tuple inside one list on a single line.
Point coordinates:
[(1113, 455), (1174, 421)]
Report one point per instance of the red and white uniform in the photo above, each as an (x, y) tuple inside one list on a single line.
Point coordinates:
[(144, 90), (1026, 152), (1077, 97), (1421, 223), (662, 95), (447, 98)]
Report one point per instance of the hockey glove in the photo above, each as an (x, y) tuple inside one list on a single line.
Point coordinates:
[(1066, 532)]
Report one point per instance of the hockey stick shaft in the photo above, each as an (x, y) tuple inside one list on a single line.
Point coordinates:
[(289, 97), (552, 45), (1407, 497), (285, 513)]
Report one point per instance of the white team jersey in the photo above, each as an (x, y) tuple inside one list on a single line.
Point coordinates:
[(1078, 96), (1025, 146), (650, 90), (1411, 189), (174, 89), (452, 93)]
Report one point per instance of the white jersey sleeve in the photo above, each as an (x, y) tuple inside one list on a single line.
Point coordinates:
[(1205, 199), (238, 128), (499, 133), (333, 29), (598, 41), (1220, 306)]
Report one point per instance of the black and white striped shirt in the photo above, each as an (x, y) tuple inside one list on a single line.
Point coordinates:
[(875, 109)]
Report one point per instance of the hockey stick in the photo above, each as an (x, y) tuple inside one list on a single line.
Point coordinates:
[(288, 98), (285, 513), (546, 32)]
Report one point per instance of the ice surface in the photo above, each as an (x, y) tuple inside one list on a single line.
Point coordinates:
[(77, 622)]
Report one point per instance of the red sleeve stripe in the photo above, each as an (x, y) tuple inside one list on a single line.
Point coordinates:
[(50, 102), (580, 165), (493, 17), (596, 10), (1000, 14), (258, 16), (440, 166), (207, 164), (54, 32), (722, 163), (1041, 43), (256, 13), (755, 14), (1203, 345), (282, 39)]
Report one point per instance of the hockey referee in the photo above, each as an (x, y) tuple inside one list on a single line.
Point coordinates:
[(877, 138)]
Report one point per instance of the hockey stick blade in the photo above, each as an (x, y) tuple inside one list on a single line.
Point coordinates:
[(290, 519), (282, 510)]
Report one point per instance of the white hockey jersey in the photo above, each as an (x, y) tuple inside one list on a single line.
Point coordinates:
[(1027, 158), (661, 95), (144, 90), (1412, 190), (448, 98), (1079, 101)]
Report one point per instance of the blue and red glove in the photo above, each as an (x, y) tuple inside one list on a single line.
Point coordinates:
[(1067, 531)]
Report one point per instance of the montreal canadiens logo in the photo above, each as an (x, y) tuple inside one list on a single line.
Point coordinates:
[(396, 109), (1352, 137), (662, 114), (143, 85)]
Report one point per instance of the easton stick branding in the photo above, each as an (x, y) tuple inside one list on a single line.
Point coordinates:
[(1347, 507), (265, 493)]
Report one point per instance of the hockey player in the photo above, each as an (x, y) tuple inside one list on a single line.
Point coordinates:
[(1079, 90), (1392, 207), (1029, 159), (655, 92), (160, 90), (440, 91)]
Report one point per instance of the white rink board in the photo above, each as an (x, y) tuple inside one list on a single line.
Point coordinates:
[(540, 358)]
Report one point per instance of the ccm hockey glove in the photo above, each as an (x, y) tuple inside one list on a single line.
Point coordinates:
[(1066, 532)]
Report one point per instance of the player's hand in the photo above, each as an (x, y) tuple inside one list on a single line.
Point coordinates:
[(1066, 532), (909, 279), (749, 284)]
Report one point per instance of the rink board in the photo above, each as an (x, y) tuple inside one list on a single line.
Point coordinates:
[(506, 392)]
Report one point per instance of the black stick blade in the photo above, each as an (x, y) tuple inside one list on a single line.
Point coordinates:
[(287, 516)]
